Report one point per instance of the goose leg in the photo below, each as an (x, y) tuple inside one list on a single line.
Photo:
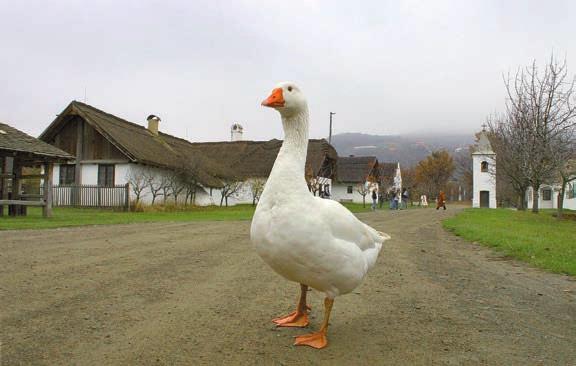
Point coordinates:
[(317, 339), (298, 318)]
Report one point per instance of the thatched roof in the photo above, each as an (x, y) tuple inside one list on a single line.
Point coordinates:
[(355, 169), (13, 141), (212, 162), (254, 159)]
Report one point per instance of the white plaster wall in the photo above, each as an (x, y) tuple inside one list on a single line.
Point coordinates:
[(339, 192), (483, 181), (121, 173), (569, 203), (89, 174), (55, 174)]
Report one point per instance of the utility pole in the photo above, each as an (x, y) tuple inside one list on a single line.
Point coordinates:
[(330, 134)]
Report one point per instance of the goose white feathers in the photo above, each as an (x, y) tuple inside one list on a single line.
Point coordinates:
[(315, 242)]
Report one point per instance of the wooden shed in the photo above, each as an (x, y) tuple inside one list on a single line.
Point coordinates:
[(17, 152)]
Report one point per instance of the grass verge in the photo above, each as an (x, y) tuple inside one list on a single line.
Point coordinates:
[(538, 239), (65, 216)]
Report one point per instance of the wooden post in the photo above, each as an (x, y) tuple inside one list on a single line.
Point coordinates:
[(79, 157), (47, 208), (16, 187), (3, 192), (127, 198)]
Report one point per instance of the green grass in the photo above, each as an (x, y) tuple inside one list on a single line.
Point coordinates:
[(64, 216), (538, 239)]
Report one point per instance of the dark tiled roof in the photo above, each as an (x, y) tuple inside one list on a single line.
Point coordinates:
[(212, 161), (355, 169), (14, 140)]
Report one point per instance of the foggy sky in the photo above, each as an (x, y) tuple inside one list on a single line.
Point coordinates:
[(383, 66)]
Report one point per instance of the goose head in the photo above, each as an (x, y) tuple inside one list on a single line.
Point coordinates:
[(287, 99)]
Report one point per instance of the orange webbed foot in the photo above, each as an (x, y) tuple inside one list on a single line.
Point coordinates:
[(294, 319), (316, 340)]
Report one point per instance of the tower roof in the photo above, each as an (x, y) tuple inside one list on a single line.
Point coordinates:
[(483, 145)]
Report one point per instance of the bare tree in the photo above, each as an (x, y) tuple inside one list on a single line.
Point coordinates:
[(541, 108), (256, 189), (510, 143), (363, 189), (154, 183), (165, 187), (463, 174), (137, 182), (176, 185), (230, 188)]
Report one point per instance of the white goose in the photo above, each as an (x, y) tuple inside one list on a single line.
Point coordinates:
[(315, 242)]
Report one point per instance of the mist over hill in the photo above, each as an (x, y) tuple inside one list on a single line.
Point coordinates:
[(408, 149)]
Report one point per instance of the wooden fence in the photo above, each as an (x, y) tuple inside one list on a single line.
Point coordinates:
[(91, 196)]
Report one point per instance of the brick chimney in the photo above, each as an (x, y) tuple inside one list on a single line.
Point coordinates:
[(153, 124), (236, 132)]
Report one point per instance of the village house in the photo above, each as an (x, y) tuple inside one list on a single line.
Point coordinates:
[(113, 152), (549, 196), (356, 174)]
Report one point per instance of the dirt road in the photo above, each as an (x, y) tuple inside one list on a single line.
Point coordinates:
[(196, 293)]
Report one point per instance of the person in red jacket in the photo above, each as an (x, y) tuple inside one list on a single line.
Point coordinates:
[(441, 200)]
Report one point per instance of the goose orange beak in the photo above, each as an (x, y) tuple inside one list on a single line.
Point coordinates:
[(276, 99)]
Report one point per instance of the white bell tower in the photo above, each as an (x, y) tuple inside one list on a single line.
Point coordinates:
[(484, 173)]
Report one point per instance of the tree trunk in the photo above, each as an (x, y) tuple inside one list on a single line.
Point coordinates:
[(522, 200), (535, 199), (561, 198), (364, 201)]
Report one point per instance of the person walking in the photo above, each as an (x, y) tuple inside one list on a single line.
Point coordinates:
[(374, 199), (405, 197), (396, 200), (441, 200)]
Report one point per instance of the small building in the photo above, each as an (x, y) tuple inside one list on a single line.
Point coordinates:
[(550, 195), (17, 152), (484, 173), (355, 174)]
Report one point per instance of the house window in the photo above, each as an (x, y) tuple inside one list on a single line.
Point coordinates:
[(349, 189), (484, 166), (546, 194), (106, 175), (67, 175)]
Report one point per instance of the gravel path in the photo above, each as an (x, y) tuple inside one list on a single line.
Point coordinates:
[(196, 293)]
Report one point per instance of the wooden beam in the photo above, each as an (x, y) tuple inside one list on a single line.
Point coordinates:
[(22, 203), (32, 195)]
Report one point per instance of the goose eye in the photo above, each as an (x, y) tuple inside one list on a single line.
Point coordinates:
[(289, 88)]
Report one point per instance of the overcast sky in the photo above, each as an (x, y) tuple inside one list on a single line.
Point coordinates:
[(383, 66)]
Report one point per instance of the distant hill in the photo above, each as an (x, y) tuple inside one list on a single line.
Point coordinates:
[(407, 149)]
